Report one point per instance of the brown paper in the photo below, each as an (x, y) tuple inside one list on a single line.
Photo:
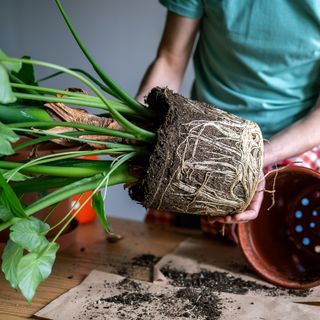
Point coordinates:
[(89, 301), (195, 255)]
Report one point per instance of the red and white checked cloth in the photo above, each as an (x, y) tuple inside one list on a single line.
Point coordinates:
[(309, 159)]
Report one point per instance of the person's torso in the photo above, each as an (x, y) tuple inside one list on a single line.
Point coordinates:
[(260, 59)]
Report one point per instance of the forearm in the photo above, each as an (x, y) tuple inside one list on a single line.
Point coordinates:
[(173, 55), (296, 139), (163, 72)]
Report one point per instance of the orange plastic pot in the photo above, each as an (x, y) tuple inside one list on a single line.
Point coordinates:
[(283, 243)]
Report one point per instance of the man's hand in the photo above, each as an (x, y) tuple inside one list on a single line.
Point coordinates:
[(250, 213)]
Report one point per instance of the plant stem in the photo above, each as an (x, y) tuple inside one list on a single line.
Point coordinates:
[(49, 137), (119, 106), (107, 80), (21, 113), (41, 184), (145, 135), (52, 170), (86, 74), (120, 176), (16, 79), (93, 129)]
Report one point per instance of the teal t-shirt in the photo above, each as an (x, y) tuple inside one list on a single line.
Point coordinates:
[(259, 59)]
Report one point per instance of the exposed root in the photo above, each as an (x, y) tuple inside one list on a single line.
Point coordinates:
[(211, 163)]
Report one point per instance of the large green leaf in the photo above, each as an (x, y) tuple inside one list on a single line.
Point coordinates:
[(34, 268), (98, 207), (7, 136), (11, 257), (9, 199), (30, 234)]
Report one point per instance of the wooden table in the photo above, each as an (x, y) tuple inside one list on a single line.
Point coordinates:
[(89, 250)]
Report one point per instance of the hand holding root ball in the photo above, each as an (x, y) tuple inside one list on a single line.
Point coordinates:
[(250, 213)]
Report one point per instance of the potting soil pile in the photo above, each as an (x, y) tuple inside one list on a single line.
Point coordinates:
[(189, 284)]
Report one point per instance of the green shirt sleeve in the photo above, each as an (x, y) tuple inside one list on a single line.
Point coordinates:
[(187, 8)]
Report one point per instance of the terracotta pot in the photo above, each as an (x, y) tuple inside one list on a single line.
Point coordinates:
[(283, 243)]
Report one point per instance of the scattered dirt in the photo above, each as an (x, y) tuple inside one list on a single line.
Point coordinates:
[(128, 268), (186, 303), (224, 282), (206, 303), (129, 298), (145, 260)]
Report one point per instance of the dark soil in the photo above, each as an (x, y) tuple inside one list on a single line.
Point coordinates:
[(186, 303), (144, 263), (206, 303), (224, 282), (129, 298), (161, 187), (145, 260)]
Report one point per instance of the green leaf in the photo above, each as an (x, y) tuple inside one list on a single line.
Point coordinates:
[(98, 207), (6, 95), (26, 73), (7, 136), (5, 213), (9, 199), (11, 257), (34, 268), (10, 66), (30, 234), (16, 177)]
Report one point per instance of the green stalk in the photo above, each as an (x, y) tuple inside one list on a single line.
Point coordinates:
[(41, 184), (72, 172), (17, 113), (82, 140), (69, 155), (105, 182), (120, 176), (16, 79), (52, 91), (66, 135), (119, 106), (107, 80), (93, 129), (49, 137), (68, 216), (145, 135), (69, 137), (86, 74)]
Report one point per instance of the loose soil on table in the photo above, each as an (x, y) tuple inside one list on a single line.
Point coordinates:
[(225, 282), (133, 303), (143, 263)]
